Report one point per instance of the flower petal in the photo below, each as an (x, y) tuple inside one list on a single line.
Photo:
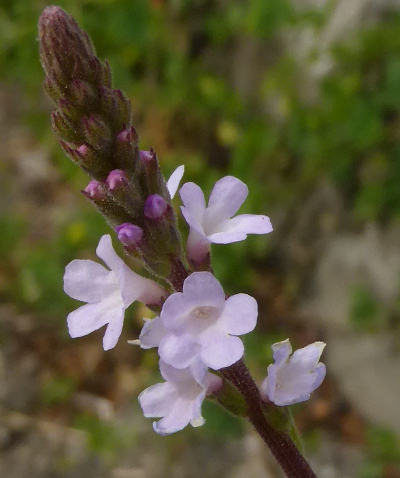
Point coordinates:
[(320, 372), (249, 224), (158, 400), (221, 350), (174, 180), (197, 419), (113, 331), (237, 228), (226, 237), (200, 289), (281, 351), (91, 317), (182, 375), (107, 254), (193, 199), (194, 205), (308, 356), (178, 351), (228, 194), (136, 287), (204, 290), (153, 331), (239, 315), (88, 281), (178, 418)]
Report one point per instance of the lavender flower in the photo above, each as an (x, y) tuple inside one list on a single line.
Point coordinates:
[(108, 292), (292, 380), (214, 223), (200, 323), (178, 400)]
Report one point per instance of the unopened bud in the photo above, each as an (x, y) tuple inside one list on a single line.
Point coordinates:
[(96, 131), (64, 127), (147, 156), (116, 179), (95, 190), (127, 135), (129, 234), (117, 106), (155, 206), (82, 93)]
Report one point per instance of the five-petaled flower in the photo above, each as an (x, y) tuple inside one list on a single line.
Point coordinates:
[(178, 400), (214, 223), (199, 323), (108, 292), (292, 380)]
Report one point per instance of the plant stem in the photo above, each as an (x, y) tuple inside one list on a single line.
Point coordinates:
[(282, 447)]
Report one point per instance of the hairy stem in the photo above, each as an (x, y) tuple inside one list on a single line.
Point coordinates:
[(282, 447)]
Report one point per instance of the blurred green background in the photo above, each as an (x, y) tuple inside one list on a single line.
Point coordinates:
[(298, 98)]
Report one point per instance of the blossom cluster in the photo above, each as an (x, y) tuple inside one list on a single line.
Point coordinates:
[(198, 329)]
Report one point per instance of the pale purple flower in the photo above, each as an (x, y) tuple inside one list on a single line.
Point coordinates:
[(129, 234), (292, 380), (174, 180), (108, 292), (178, 400), (199, 323), (214, 223)]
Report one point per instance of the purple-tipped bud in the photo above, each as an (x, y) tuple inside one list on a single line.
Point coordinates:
[(155, 207), (146, 155), (116, 179), (129, 234), (127, 135), (83, 150), (95, 190)]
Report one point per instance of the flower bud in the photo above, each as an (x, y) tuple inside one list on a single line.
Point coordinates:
[(96, 131), (116, 179), (155, 207), (64, 127), (127, 135), (95, 190), (117, 106), (147, 155), (129, 234), (82, 93)]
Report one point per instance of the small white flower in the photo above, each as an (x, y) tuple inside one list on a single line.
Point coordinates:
[(214, 223), (174, 180), (292, 380), (108, 292), (199, 323), (178, 400)]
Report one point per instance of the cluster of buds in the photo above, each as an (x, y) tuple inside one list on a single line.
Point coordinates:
[(197, 330), (93, 123)]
